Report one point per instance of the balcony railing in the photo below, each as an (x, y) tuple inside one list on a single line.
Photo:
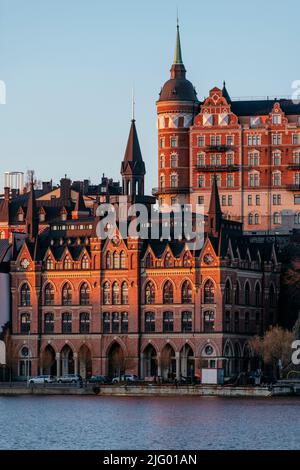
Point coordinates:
[(293, 187), (228, 168), (171, 190), (294, 166), (219, 148)]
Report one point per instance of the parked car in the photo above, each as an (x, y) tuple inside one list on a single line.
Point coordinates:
[(70, 379), (99, 379), (125, 378), (42, 379)]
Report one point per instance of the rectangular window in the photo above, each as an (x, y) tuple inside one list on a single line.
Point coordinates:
[(168, 322), (230, 200), (254, 140), (218, 177), (297, 178), (200, 159), (162, 142), (249, 200), (200, 200), (229, 159), (201, 141), (276, 139), (230, 180), (173, 161), (186, 322), (223, 200), (297, 199), (229, 140), (173, 142), (257, 200), (295, 139), (276, 119), (106, 323), (201, 181)]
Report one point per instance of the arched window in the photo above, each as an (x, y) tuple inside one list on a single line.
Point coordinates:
[(247, 294), (66, 325), (84, 294), (67, 263), (123, 260), (67, 294), (49, 264), (168, 293), (257, 295), (49, 294), (256, 219), (247, 322), (106, 293), (186, 260), (236, 322), (209, 321), (25, 323), (84, 323), (149, 261), (149, 322), (227, 292), (115, 293), (168, 322), (250, 219), (276, 178), (85, 262), (272, 296), (186, 293), (116, 260), (186, 322), (49, 323), (168, 261), (149, 293), (25, 295), (108, 260), (209, 292), (124, 293), (237, 294)]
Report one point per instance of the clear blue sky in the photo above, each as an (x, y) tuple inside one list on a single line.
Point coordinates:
[(69, 66)]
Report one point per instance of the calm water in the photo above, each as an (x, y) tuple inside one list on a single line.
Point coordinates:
[(148, 423)]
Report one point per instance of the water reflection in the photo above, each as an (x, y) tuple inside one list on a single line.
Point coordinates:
[(148, 423)]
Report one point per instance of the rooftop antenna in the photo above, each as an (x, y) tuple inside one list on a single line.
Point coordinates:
[(133, 105)]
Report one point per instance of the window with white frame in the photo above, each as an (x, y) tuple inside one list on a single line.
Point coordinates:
[(215, 160), (201, 159), (174, 160), (296, 157), (297, 178), (229, 180), (215, 140), (276, 199), (201, 141), (253, 140), (174, 180), (218, 178), (229, 140), (257, 200), (295, 139), (229, 158), (254, 180), (162, 181), (276, 119), (276, 178), (162, 161), (277, 218), (253, 158), (201, 181), (276, 158), (276, 139), (173, 142)]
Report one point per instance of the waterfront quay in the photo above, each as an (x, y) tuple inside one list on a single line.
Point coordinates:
[(140, 390)]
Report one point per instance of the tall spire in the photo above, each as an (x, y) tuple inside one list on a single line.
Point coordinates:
[(177, 54), (133, 166), (214, 213), (32, 225)]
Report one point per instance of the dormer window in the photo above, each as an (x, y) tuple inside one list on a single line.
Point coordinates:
[(276, 119), (42, 217)]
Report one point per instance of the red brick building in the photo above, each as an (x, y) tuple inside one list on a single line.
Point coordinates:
[(252, 147), (151, 307)]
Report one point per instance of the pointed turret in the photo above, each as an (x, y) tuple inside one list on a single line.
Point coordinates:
[(225, 93), (177, 54), (133, 167), (214, 216), (32, 225)]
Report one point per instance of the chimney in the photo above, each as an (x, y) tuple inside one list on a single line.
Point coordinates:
[(65, 189)]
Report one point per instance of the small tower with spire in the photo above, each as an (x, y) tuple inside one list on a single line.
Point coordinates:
[(133, 167), (176, 107), (214, 215)]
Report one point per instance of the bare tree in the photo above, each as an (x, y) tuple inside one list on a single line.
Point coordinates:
[(275, 348)]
